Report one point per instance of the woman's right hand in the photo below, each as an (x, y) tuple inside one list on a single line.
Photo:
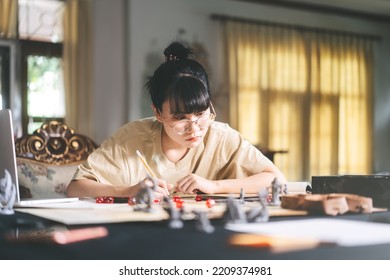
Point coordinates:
[(161, 190)]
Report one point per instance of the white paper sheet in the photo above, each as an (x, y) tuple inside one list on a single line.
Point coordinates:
[(78, 204), (298, 187), (342, 232), (77, 216)]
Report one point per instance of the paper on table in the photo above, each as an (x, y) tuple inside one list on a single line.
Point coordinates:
[(342, 232), (298, 187), (78, 204), (77, 216)]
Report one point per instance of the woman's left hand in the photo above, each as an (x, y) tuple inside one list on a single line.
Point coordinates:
[(192, 183)]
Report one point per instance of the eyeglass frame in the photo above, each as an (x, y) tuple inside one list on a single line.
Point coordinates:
[(212, 115)]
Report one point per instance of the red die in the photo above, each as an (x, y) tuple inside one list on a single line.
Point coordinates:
[(210, 202), (198, 198), (105, 199), (179, 204), (131, 200), (176, 198)]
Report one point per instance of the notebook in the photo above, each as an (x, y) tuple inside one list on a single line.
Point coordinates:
[(8, 163)]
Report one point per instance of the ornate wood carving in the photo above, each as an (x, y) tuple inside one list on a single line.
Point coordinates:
[(55, 143)]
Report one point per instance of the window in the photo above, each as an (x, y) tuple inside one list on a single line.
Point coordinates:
[(42, 84), (40, 33), (41, 20), (303, 91)]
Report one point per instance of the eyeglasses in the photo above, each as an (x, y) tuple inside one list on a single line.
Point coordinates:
[(183, 126)]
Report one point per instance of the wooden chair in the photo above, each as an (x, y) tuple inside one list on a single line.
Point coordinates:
[(48, 159), (270, 154)]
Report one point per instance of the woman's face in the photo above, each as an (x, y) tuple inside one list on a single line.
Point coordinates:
[(186, 130)]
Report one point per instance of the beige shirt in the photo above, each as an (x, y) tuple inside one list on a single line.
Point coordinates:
[(224, 154)]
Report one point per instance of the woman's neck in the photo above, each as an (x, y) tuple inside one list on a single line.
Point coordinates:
[(173, 151)]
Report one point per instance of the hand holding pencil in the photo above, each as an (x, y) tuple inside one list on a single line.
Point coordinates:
[(146, 165), (162, 184)]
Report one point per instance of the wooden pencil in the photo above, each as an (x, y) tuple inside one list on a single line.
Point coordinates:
[(146, 165)]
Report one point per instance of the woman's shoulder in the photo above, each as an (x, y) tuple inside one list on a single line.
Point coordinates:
[(221, 129), (221, 134), (138, 129)]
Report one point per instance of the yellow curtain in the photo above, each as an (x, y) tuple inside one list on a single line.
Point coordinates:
[(341, 104), (8, 18), (305, 92), (78, 66)]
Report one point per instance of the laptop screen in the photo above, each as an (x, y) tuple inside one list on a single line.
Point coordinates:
[(7, 153)]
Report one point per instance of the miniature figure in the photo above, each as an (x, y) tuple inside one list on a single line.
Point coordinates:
[(145, 196), (258, 214), (7, 194), (175, 221), (277, 189), (234, 212), (241, 199), (203, 222)]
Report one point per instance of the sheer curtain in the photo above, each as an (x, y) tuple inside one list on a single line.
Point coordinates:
[(78, 66), (8, 18), (308, 92)]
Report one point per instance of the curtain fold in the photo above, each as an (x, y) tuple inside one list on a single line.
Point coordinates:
[(8, 18), (307, 92), (78, 66)]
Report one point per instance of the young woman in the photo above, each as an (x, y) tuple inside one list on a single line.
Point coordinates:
[(186, 149)]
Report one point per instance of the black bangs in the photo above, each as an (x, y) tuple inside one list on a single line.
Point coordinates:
[(188, 95)]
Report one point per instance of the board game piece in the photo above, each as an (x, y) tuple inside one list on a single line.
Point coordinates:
[(241, 199), (202, 222), (234, 212), (260, 213), (175, 221)]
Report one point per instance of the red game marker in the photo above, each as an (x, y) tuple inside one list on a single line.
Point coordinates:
[(210, 202), (179, 204), (105, 199), (131, 200)]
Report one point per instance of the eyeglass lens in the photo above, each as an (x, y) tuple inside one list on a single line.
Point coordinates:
[(185, 125)]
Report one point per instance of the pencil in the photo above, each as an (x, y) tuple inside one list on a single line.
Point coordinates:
[(148, 169), (146, 165)]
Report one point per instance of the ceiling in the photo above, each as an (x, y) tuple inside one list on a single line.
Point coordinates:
[(374, 9)]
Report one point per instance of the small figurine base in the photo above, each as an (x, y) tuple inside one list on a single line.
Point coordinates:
[(6, 211)]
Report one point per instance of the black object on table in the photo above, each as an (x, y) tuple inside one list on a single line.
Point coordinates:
[(156, 241)]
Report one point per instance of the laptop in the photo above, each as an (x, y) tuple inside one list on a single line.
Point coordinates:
[(8, 165)]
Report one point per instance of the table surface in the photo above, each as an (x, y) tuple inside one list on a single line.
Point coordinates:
[(156, 241)]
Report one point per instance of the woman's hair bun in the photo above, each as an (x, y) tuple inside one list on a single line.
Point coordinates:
[(176, 51)]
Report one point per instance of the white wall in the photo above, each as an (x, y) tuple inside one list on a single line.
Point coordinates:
[(110, 34), (152, 24)]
